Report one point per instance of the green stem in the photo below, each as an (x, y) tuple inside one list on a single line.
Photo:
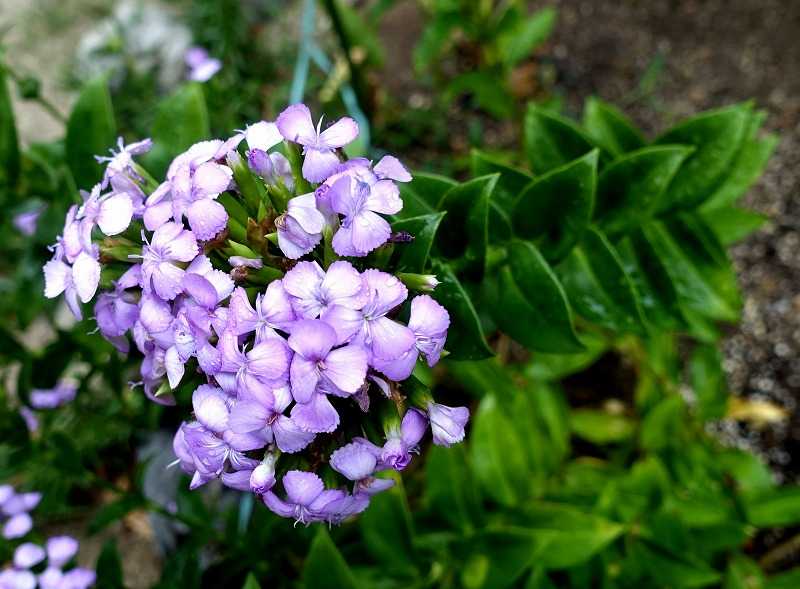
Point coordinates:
[(43, 102)]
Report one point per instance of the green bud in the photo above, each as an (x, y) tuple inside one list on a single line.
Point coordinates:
[(419, 282)]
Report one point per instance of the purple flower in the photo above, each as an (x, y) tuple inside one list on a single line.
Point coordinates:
[(447, 423), (120, 164), (170, 243), (117, 311), (356, 462), (28, 555), (61, 394), (272, 311), (17, 526), (77, 282), (60, 550), (78, 578), (262, 478), (111, 212), (17, 579), (266, 363), (261, 412), (202, 67), (429, 322), (243, 262), (272, 167), (383, 337), (334, 296), (362, 229), (320, 161), (300, 227), (307, 499), (26, 222), (390, 168), (207, 454), (30, 419), (400, 443), (317, 370)]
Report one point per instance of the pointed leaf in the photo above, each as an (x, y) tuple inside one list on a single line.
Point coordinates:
[(518, 42), (671, 569), (423, 194), (716, 136), (387, 530), (552, 141), (465, 229), (251, 582), (508, 552), (325, 568), (109, 567), (708, 382), (413, 257), (91, 131), (629, 190), (555, 209), (9, 145), (610, 128), (450, 491), (601, 427), (732, 224), (511, 183)]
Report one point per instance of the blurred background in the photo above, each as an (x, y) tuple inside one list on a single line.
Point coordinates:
[(433, 91)]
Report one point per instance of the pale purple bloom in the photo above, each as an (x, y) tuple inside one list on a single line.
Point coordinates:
[(206, 285), (272, 311), (121, 161), (362, 228), (390, 168), (28, 555), (260, 412), (78, 282), (266, 363), (117, 311), (400, 443), (211, 407), (243, 262), (111, 212), (170, 243), (383, 337), (30, 418), (262, 479), (320, 161), (17, 579), (60, 550), (61, 394), (206, 455), (334, 296), (78, 578), (356, 462), (26, 222), (272, 167), (202, 67), (429, 322), (447, 423), (17, 526), (307, 500), (300, 227)]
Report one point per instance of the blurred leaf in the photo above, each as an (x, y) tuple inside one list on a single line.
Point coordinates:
[(716, 135), (434, 39), (251, 582), (531, 306), (732, 224), (672, 569), (610, 128), (498, 458), (743, 573), (510, 551), (788, 580), (598, 286), (465, 228), (91, 131), (109, 567), (552, 141), (386, 528), (486, 90), (555, 209), (601, 427), (115, 511), (748, 470), (548, 367), (629, 190), (9, 146), (413, 257), (539, 580), (362, 35), (324, 567), (465, 340), (450, 491), (663, 423), (531, 31), (708, 381)]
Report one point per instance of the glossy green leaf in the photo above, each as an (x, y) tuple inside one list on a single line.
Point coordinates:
[(413, 257), (732, 224), (450, 491), (552, 141), (746, 168), (109, 567), (549, 367), (565, 535), (387, 529), (465, 228), (423, 194), (610, 128), (598, 287), (91, 131), (708, 382), (511, 183), (773, 507), (9, 145), (716, 136), (498, 457), (325, 568), (530, 305), (629, 190), (181, 121), (520, 41), (555, 209), (465, 339), (601, 427)]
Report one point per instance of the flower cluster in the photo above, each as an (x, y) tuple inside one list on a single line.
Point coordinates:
[(242, 278), (34, 565)]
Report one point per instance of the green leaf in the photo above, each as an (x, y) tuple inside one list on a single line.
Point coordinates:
[(549, 367), (746, 168), (181, 121), (9, 145), (598, 286), (610, 128), (541, 418), (531, 305), (465, 229), (629, 190), (788, 580), (511, 182), (91, 131), (708, 381), (413, 257), (555, 209), (520, 41), (386, 528), (662, 425), (325, 568), (566, 536), (749, 472), (486, 91), (509, 550), (114, 511), (251, 582), (361, 35), (498, 458), (539, 580), (601, 427), (673, 570), (109, 567), (773, 507), (743, 573), (732, 224), (450, 491), (716, 135), (465, 339), (552, 141)]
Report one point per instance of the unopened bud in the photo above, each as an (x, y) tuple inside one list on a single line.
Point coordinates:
[(263, 477), (419, 282)]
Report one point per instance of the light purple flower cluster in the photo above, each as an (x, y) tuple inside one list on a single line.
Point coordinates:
[(49, 560), (280, 337)]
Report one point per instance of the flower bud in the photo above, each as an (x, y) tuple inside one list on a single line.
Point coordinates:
[(419, 282), (263, 477)]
